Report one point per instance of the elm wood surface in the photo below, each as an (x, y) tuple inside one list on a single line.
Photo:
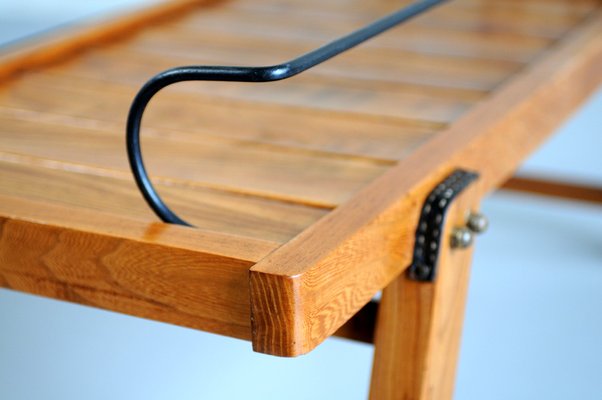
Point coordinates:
[(328, 168), (329, 271), (179, 116), (361, 326), (46, 182), (554, 188), (419, 324), (164, 272), (241, 168)]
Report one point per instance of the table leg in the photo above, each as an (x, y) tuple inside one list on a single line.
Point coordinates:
[(419, 323)]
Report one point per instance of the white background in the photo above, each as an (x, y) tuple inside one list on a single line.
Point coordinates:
[(533, 328)]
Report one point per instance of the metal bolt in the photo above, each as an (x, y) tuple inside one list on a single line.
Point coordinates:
[(477, 222), (421, 271), (461, 238)]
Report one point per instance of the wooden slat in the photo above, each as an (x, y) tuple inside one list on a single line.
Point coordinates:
[(347, 137), (163, 272), (434, 74), (84, 263), (70, 185), (411, 37), (359, 7), (290, 176), (328, 272), (381, 70), (187, 118), (549, 8), (308, 96), (544, 19), (499, 17)]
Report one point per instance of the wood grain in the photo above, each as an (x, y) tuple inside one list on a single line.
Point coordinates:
[(236, 167), (382, 70), (182, 117), (476, 84), (324, 96), (389, 73), (328, 272), (419, 324), (409, 37), (69, 185), (554, 188), (173, 274), (540, 19)]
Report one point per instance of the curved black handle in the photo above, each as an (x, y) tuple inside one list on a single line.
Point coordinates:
[(241, 74)]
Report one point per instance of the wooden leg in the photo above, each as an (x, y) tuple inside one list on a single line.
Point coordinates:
[(419, 324), (555, 188)]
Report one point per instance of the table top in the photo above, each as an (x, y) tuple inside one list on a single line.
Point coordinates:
[(313, 184)]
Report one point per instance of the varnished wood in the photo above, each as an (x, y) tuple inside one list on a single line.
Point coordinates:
[(554, 188), (323, 276), (168, 273), (525, 17), (375, 64), (50, 182), (419, 323), (323, 174), (361, 326), (422, 40), (428, 106), (229, 165), (161, 272), (183, 118)]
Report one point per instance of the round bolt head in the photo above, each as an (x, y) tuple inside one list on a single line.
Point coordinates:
[(421, 272), (461, 238), (477, 222)]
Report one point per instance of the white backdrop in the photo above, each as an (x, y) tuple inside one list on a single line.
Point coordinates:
[(533, 327)]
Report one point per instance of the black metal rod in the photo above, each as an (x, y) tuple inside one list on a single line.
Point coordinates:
[(241, 74)]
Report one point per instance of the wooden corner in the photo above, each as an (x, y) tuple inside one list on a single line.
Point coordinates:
[(308, 288), (278, 333), (168, 273)]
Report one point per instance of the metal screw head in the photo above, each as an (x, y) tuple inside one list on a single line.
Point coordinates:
[(420, 271), (477, 222), (461, 238)]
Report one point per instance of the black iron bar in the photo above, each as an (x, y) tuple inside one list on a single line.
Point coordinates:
[(241, 74)]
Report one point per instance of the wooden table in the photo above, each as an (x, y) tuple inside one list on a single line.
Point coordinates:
[(306, 193)]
